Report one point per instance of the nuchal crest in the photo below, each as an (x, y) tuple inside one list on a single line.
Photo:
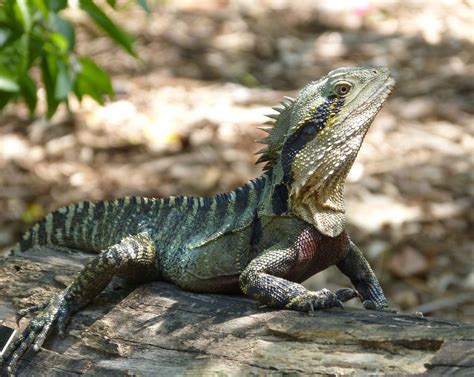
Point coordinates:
[(313, 140)]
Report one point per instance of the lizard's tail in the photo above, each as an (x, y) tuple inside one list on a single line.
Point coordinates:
[(81, 225)]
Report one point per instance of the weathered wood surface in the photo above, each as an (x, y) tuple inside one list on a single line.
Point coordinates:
[(159, 330)]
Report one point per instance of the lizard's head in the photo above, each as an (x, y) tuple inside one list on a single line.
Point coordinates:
[(315, 138)]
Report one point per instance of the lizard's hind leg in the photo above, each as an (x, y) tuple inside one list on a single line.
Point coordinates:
[(134, 257)]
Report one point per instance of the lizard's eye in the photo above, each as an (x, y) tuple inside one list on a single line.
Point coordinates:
[(342, 88)]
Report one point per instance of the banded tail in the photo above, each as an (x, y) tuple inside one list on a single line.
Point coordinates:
[(90, 226)]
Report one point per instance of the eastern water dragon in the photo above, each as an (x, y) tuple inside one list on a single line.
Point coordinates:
[(262, 239)]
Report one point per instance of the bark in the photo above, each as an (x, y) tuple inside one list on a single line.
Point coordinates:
[(157, 329)]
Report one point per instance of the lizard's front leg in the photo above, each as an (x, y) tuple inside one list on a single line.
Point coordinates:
[(262, 280), (356, 267), (134, 255)]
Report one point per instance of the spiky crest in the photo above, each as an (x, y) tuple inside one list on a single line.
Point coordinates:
[(276, 130)]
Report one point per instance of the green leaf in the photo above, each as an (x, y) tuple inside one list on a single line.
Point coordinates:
[(63, 82), (96, 74), (102, 20), (28, 90), (11, 15), (14, 56), (83, 87), (93, 81), (6, 36), (112, 3), (23, 10), (42, 6), (49, 70), (63, 27), (8, 84), (5, 97), (59, 41), (144, 5)]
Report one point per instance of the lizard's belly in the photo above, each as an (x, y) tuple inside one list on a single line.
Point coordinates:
[(211, 267), (316, 252), (219, 284)]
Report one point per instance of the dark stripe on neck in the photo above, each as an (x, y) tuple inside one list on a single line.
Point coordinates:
[(255, 237), (280, 199), (307, 132)]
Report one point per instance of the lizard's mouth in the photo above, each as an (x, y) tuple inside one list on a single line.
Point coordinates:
[(380, 95), (374, 103), (357, 122)]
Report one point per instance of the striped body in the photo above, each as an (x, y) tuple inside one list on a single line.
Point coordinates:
[(181, 227), (203, 244)]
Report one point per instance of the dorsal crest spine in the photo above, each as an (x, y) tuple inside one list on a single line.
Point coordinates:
[(277, 130)]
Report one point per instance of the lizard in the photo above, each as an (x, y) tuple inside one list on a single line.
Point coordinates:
[(263, 238)]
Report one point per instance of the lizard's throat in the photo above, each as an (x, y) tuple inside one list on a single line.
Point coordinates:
[(317, 193)]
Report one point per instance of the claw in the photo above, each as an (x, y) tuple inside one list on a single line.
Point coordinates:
[(61, 324), (55, 311), (41, 338), (20, 314), (323, 299), (22, 345), (346, 294), (369, 305), (391, 310)]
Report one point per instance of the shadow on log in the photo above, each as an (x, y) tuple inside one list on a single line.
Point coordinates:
[(158, 329)]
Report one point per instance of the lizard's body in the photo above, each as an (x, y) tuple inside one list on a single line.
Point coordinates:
[(192, 258), (263, 238)]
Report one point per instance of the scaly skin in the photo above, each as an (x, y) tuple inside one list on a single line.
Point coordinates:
[(263, 238)]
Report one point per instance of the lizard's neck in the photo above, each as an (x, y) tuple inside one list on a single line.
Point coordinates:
[(321, 206), (316, 192)]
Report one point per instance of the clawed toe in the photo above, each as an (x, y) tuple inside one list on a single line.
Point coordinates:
[(346, 294), (328, 302), (20, 314), (371, 305), (56, 312), (322, 299)]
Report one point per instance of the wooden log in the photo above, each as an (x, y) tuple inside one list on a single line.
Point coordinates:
[(157, 329)]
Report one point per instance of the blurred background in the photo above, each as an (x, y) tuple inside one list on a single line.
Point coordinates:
[(186, 109)]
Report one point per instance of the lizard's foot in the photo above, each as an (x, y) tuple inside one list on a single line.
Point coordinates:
[(323, 299), (346, 294), (380, 307), (32, 309), (56, 312)]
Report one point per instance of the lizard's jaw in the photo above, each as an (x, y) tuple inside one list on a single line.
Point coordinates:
[(359, 120)]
